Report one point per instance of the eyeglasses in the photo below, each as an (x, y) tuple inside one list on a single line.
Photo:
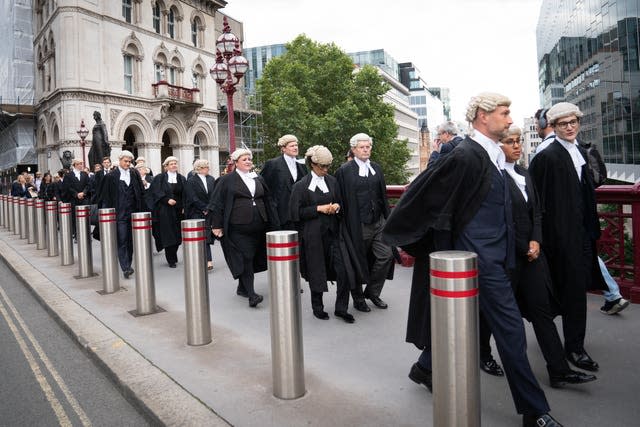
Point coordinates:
[(322, 166), (511, 142), (563, 125)]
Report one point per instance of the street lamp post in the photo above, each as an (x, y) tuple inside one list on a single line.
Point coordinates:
[(229, 68), (82, 133)]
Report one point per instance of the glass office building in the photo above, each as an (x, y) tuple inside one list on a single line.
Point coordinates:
[(588, 55)]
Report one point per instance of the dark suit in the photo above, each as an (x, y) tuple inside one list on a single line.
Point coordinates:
[(71, 187), (19, 191), (126, 200), (278, 178), (445, 149)]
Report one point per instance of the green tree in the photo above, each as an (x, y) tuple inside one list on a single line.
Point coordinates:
[(313, 92)]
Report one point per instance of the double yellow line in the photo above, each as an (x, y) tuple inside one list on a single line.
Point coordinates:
[(22, 332)]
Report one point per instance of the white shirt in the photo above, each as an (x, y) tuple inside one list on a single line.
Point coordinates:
[(125, 176), (291, 164), (37, 182), (172, 177), (248, 179), (546, 142), (76, 172), (576, 156), (491, 147), (364, 168), (318, 182), (203, 178), (519, 179)]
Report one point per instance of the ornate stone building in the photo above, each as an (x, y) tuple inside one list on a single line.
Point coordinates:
[(143, 64)]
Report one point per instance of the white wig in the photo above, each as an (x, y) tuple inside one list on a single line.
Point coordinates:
[(125, 153), (239, 153), (359, 137), (486, 101), (563, 109)]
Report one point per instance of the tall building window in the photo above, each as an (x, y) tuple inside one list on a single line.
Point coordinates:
[(171, 22), (128, 74), (194, 33), (159, 71), (196, 147), (156, 18), (172, 76), (126, 10)]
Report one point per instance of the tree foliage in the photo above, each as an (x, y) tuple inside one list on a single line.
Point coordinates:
[(313, 92)]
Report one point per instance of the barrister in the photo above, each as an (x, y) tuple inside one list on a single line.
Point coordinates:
[(280, 174), (464, 204), (122, 190), (366, 208), (75, 188), (241, 213), (197, 196), (570, 226)]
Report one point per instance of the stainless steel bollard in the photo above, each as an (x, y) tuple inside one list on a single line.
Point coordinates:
[(109, 246), (454, 339), (287, 356), (41, 230), (16, 214), (66, 231), (23, 217), (196, 282), (10, 218), (145, 282), (2, 211), (31, 221), (83, 237), (51, 208)]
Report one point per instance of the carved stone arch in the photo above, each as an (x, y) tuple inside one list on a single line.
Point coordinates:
[(161, 52), (42, 132), (198, 66), (51, 40), (45, 47), (132, 46), (199, 16), (177, 7), (53, 120), (160, 3), (143, 127), (177, 60), (171, 122), (203, 127)]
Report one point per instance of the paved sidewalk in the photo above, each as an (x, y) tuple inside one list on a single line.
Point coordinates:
[(356, 375)]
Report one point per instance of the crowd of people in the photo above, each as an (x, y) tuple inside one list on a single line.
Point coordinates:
[(534, 231)]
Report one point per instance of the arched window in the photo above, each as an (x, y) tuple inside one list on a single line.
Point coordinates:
[(156, 18), (197, 31), (128, 74), (196, 147), (126, 10), (194, 33), (171, 24)]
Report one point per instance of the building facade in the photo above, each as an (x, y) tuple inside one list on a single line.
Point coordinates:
[(588, 54), (16, 93), (530, 140), (142, 64)]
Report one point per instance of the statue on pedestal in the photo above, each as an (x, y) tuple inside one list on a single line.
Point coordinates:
[(99, 143)]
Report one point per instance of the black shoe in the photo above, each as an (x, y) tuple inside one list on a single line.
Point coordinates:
[(321, 314), (347, 317), (255, 300), (378, 302), (172, 265), (361, 306), (571, 377), (614, 307), (491, 367), (128, 272), (419, 375), (582, 360), (544, 420), (241, 292)]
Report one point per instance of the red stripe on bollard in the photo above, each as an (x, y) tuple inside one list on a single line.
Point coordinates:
[(107, 214), (282, 245), (454, 294), (454, 274), (193, 239), (193, 229), (140, 219), (107, 220), (144, 227), (282, 258)]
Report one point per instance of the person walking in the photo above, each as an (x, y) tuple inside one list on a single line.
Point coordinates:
[(197, 197)]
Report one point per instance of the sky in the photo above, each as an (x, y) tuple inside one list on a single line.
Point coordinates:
[(469, 46)]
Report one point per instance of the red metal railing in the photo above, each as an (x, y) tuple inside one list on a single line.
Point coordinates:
[(619, 244), (175, 92)]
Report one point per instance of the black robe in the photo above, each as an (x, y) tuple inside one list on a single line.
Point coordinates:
[(166, 218), (278, 177), (429, 217), (220, 208), (315, 267), (110, 185), (347, 176), (197, 199), (568, 210)]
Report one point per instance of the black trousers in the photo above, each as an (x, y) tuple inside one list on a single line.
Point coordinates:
[(247, 238), (342, 281), (171, 253), (574, 300), (125, 243)]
